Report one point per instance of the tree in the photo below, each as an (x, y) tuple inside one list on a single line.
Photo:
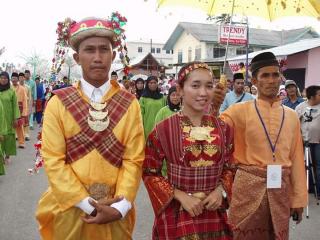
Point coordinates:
[(39, 65)]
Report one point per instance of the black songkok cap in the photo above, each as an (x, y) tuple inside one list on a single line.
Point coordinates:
[(238, 76), (263, 60), (14, 74), (21, 74)]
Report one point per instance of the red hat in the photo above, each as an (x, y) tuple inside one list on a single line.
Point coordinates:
[(97, 27), (72, 33)]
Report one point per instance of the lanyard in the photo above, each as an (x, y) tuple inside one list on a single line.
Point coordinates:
[(273, 147)]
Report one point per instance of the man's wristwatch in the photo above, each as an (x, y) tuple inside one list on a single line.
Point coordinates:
[(93, 213)]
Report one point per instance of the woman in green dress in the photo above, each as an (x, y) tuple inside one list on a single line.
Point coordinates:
[(151, 102), (11, 114), (173, 105), (2, 130)]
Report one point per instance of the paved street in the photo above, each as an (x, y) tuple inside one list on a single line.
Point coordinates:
[(20, 192)]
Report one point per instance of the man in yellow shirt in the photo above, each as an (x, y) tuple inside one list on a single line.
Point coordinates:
[(92, 143), (29, 106), (23, 107), (270, 183)]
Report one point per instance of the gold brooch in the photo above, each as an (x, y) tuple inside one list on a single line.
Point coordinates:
[(201, 134)]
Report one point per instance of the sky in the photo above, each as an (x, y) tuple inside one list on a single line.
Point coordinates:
[(28, 26)]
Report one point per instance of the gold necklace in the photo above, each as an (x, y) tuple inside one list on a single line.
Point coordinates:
[(98, 119)]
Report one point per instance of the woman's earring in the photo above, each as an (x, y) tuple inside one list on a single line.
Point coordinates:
[(181, 106)]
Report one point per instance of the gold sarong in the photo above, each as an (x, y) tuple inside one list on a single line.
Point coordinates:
[(257, 212)]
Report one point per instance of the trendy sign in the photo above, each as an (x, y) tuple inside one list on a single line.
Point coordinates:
[(238, 34)]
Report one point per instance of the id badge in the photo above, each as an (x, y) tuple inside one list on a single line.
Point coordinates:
[(274, 176)]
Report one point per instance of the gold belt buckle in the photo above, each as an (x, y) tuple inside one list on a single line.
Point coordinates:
[(199, 195), (99, 191)]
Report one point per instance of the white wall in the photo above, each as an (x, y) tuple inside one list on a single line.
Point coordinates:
[(185, 41)]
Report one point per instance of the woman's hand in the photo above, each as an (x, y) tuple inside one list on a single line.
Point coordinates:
[(192, 205), (15, 123), (214, 200)]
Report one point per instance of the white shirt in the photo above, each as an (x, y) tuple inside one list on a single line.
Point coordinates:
[(310, 130), (93, 93), (96, 95)]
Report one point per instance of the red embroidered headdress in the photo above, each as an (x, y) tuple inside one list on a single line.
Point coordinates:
[(188, 68), (72, 33)]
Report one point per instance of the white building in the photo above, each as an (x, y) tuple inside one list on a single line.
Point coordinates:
[(141, 48), (197, 41)]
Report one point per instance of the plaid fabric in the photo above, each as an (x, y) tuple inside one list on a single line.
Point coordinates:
[(104, 142), (176, 224), (194, 179)]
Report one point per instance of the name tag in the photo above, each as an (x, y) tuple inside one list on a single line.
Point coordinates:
[(274, 175)]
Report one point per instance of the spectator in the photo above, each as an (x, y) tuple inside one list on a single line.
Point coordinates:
[(11, 114), (139, 84), (151, 102), (293, 98), (237, 95), (254, 91), (309, 115)]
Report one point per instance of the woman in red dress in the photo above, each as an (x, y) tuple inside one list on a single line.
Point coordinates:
[(191, 202)]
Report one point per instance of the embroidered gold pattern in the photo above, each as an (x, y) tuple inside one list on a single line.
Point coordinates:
[(210, 150), (194, 149), (201, 163)]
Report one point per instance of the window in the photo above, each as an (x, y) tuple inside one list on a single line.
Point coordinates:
[(168, 51), (180, 56), (197, 53), (158, 50), (153, 50), (189, 54), (139, 49), (219, 52), (241, 51)]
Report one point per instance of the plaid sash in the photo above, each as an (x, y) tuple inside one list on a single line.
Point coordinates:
[(86, 140)]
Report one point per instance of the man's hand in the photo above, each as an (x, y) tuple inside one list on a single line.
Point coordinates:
[(214, 200), (105, 213), (219, 94), (192, 205), (299, 211)]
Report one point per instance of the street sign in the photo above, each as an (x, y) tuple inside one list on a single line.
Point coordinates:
[(238, 34)]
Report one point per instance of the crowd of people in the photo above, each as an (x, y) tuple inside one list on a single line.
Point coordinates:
[(217, 163)]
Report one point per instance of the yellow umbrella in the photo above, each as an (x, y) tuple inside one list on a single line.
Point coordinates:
[(267, 9)]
